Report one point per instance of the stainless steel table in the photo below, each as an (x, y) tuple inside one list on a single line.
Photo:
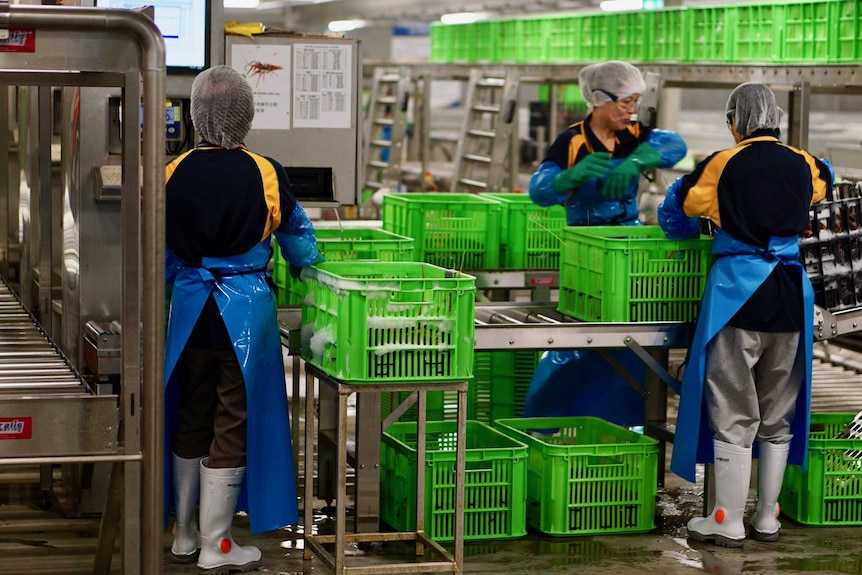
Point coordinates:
[(333, 427)]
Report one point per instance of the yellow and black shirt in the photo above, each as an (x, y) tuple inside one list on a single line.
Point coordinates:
[(759, 189)]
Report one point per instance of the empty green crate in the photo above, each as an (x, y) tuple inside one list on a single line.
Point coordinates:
[(830, 492), (562, 39), (756, 32), (631, 274), (441, 43), (495, 481), (805, 32), (593, 38), (500, 383), (666, 27), (591, 478), (846, 31), (534, 40), (456, 231), (530, 233), (708, 35), (631, 34), (338, 245), (439, 405), (388, 322)]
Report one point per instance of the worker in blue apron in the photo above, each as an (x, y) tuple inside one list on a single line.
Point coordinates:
[(746, 386), (593, 168), (228, 442)]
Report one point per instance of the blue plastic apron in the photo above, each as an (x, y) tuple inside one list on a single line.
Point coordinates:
[(247, 305), (738, 271)]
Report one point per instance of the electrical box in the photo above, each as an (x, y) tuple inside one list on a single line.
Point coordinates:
[(307, 95)]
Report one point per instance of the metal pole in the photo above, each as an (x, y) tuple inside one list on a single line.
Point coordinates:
[(143, 31)]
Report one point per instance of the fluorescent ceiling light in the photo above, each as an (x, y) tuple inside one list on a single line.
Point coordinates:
[(459, 18), (620, 5), (346, 25), (242, 4)]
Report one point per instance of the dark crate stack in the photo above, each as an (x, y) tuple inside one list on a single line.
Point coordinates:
[(831, 250)]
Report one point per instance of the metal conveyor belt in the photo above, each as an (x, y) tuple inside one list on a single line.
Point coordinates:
[(46, 409)]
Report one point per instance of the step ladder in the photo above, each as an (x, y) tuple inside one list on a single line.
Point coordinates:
[(385, 127), (486, 135)]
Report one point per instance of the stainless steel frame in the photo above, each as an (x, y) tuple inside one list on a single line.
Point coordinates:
[(112, 35), (336, 424)]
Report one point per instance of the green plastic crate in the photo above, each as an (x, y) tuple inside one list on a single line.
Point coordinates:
[(806, 30), (830, 492), (500, 383), (708, 34), (339, 245), (456, 231), (631, 33), (439, 405), (494, 486), (666, 27), (441, 43), (846, 30), (756, 31), (631, 274), (592, 478), (562, 39), (530, 233), (593, 38), (388, 322)]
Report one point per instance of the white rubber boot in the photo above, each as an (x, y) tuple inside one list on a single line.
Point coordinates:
[(187, 482), (770, 475), (725, 525), (220, 554)]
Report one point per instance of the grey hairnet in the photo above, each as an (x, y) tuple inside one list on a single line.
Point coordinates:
[(753, 106), (222, 106), (609, 81)]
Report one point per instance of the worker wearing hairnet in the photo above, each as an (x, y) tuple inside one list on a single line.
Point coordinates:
[(746, 387), (227, 428), (593, 168)]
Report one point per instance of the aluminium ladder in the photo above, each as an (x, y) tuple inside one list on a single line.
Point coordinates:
[(385, 127), (486, 135)]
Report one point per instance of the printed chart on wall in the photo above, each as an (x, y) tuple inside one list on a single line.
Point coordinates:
[(322, 85), (266, 67)]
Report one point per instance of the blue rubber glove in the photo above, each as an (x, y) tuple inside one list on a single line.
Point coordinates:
[(645, 157), (595, 165)]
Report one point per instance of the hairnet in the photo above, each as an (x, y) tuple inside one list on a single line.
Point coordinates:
[(753, 106), (610, 81), (222, 106)]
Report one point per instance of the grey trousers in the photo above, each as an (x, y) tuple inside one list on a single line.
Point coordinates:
[(752, 381)]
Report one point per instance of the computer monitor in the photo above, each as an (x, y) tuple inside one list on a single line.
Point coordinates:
[(185, 26)]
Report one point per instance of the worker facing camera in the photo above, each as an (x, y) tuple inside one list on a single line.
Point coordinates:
[(593, 168), (227, 430), (746, 388)]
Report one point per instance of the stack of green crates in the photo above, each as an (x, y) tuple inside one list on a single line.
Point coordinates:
[(389, 322), (829, 493), (495, 481), (632, 274), (805, 32), (530, 237), (337, 245), (455, 231), (586, 476)]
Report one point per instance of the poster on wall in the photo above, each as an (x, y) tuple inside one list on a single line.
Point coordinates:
[(267, 68), (322, 85)]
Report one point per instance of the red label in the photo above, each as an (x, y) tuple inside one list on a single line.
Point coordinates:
[(545, 281), (19, 41), (16, 427)]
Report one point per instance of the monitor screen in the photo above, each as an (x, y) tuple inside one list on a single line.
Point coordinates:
[(184, 25)]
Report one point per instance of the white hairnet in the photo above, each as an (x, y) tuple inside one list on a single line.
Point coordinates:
[(609, 81), (222, 106), (753, 106)]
